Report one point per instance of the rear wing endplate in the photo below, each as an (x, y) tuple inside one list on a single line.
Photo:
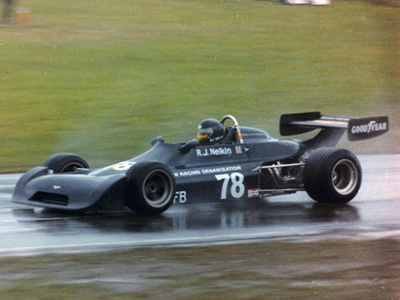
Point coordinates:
[(357, 128)]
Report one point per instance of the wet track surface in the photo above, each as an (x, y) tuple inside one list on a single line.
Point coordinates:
[(374, 213)]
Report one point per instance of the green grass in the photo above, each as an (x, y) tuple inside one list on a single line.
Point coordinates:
[(102, 78), (272, 270)]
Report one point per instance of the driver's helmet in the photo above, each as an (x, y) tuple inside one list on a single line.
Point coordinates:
[(210, 131)]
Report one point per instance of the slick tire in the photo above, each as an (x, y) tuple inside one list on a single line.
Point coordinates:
[(65, 162), (332, 176), (150, 188)]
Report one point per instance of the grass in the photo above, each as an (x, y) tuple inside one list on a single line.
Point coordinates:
[(102, 78), (272, 270)]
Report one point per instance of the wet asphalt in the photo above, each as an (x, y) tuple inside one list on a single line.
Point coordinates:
[(373, 214)]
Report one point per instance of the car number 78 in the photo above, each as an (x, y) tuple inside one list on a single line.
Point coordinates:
[(235, 180)]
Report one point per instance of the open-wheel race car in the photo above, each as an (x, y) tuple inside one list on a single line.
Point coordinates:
[(224, 163)]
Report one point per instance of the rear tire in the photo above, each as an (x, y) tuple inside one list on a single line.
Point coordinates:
[(150, 188), (332, 176), (65, 162)]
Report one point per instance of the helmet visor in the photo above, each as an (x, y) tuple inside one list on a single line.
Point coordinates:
[(203, 136)]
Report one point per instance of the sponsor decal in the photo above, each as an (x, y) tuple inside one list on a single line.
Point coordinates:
[(207, 171), (253, 193), (187, 173), (213, 152), (365, 128), (221, 170), (372, 126)]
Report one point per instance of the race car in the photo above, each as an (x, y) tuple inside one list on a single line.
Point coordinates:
[(226, 162)]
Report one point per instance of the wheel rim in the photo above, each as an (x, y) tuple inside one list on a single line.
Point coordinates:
[(345, 177), (71, 167), (157, 188)]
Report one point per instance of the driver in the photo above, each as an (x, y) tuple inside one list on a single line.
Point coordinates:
[(210, 132)]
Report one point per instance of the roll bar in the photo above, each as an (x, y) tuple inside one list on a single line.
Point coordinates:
[(235, 126)]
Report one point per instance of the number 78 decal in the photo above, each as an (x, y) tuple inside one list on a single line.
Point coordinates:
[(235, 180)]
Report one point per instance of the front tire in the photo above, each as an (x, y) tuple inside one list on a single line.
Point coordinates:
[(65, 162), (150, 188), (332, 176)]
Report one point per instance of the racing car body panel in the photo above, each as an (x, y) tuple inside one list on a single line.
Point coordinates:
[(253, 164), (76, 192)]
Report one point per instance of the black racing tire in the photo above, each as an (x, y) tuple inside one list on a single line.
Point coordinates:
[(332, 176), (150, 188), (65, 162)]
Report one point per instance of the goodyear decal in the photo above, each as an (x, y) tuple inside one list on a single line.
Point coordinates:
[(366, 128)]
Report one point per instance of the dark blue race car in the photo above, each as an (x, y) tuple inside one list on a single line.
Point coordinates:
[(224, 163)]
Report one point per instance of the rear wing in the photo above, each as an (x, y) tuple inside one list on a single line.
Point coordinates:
[(357, 128)]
